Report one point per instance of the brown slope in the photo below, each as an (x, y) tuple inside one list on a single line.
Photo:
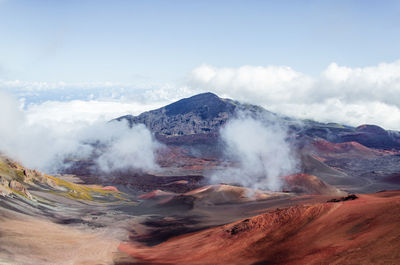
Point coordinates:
[(363, 231), (309, 184), (32, 241), (352, 150)]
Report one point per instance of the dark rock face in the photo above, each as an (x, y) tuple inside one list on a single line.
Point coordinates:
[(199, 117), (206, 106), (343, 199), (373, 136), (368, 135), (200, 114), (373, 129)]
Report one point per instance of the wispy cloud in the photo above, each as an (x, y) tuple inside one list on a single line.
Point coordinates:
[(261, 151)]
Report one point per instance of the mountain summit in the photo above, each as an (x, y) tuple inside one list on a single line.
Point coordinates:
[(205, 105), (200, 114)]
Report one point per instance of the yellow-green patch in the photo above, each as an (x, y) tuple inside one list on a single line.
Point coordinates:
[(82, 192)]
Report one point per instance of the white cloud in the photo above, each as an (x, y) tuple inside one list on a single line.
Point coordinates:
[(348, 95), (128, 149), (70, 112), (335, 110), (255, 84), (261, 151), (42, 137), (377, 83), (342, 94)]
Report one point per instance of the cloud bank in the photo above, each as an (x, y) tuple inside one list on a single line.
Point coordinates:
[(348, 95), (341, 94), (44, 144), (80, 111), (261, 151)]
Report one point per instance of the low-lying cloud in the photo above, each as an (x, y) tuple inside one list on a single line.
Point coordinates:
[(260, 151), (348, 95), (255, 84), (128, 149), (81, 111), (353, 96), (45, 144)]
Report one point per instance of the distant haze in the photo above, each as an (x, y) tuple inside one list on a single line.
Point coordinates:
[(351, 96)]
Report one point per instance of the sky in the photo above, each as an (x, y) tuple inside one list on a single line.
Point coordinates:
[(86, 61)]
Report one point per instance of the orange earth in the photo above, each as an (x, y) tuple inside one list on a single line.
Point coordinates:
[(361, 231)]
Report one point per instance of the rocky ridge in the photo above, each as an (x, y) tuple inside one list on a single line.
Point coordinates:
[(198, 119)]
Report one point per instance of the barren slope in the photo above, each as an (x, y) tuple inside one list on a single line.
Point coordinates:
[(362, 231)]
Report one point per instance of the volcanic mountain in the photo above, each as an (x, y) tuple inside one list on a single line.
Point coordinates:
[(199, 118), (357, 159), (332, 210), (192, 119)]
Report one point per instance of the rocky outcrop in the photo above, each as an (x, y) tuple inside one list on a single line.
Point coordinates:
[(4, 186), (16, 178), (4, 181), (19, 188), (32, 175)]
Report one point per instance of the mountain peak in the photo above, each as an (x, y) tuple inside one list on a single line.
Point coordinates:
[(206, 105), (201, 114), (196, 117)]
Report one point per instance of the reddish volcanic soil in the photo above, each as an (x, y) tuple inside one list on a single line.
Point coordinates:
[(327, 150), (156, 194), (110, 188), (361, 231), (181, 158), (309, 184)]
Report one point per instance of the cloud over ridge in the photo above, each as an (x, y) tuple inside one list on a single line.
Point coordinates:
[(349, 95), (340, 94)]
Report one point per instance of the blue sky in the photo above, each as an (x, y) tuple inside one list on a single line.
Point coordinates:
[(69, 66), (332, 61), (162, 41)]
